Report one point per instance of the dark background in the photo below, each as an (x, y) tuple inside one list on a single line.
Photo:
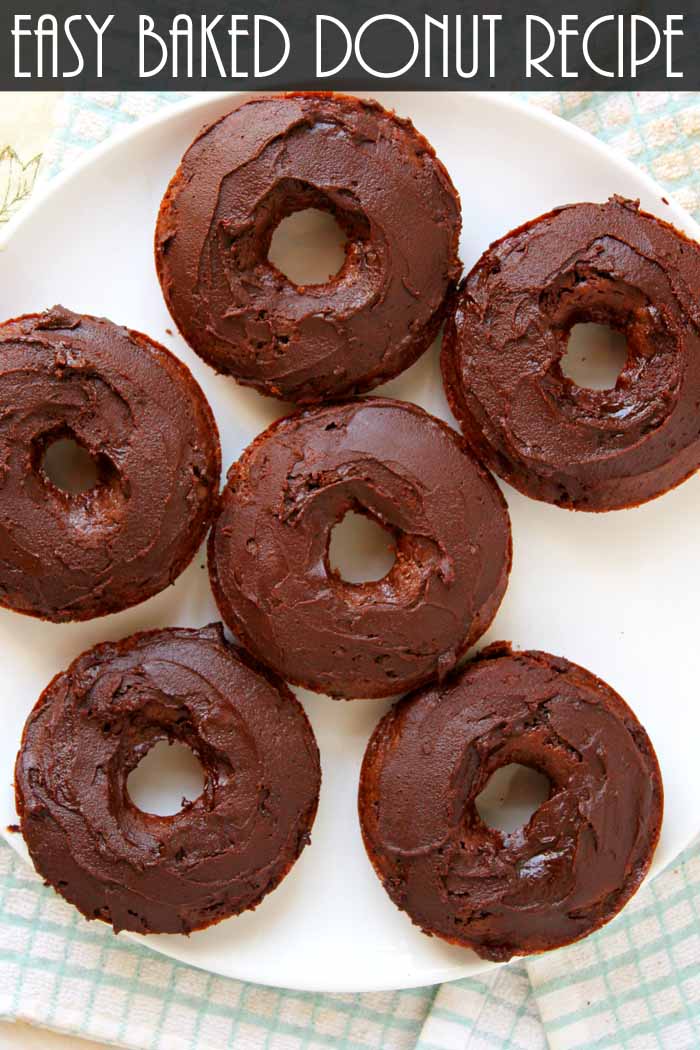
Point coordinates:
[(386, 46)]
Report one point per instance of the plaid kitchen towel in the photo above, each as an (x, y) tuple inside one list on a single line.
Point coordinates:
[(633, 986)]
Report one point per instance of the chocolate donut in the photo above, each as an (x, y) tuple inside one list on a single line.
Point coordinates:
[(268, 550), (223, 852), (582, 854), (275, 155), (151, 434), (584, 449)]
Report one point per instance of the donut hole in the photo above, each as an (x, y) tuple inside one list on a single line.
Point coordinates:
[(511, 796), (308, 246), (360, 549), (69, 466), (595, 356), (168, 778)]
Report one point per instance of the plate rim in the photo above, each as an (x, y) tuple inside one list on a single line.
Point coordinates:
[(172, 112)]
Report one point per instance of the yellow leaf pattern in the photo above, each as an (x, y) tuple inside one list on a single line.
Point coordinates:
[(16, 181)]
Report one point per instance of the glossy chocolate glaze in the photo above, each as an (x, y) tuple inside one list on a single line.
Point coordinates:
[(274, 155), (147, 425), (268, 550), (579, 448), (583, 853), (222, 852)]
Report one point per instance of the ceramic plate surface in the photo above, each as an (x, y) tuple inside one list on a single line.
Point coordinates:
[(615, 592)]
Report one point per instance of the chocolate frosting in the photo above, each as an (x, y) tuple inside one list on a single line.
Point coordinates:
[(139, 413), (268, 550), (580, 448), (583, 853), (274, 155), (222, 852)]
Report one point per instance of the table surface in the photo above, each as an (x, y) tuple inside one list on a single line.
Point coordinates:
[(20, 1036)]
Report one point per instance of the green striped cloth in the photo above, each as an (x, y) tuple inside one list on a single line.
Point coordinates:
[(633, 986)]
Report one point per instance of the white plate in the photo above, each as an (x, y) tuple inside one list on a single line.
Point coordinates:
[(615, 592)]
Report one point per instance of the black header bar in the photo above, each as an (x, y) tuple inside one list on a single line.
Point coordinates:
[(339, 45)]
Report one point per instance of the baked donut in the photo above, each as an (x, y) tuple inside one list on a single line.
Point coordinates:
[(583, 449), (582, 854), (152, 437), (268, 550), (275, 155), (223, 852)]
